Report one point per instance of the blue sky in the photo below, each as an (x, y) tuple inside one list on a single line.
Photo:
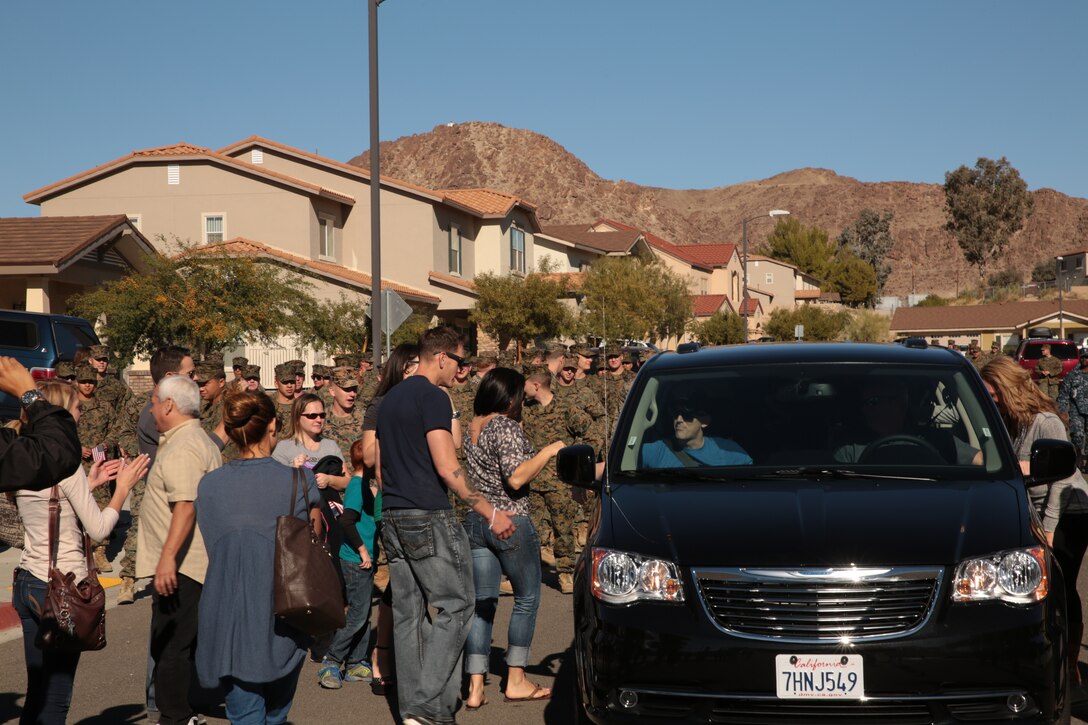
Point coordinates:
[(680, 94)]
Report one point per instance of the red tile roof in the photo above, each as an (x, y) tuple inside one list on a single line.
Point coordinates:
[(607, 242), (239, 246), (325, 161), (184, 152), (465, 285), (1003, 316), (807, 294), (754, 306), (713, 255), (55, 240), (707, 305), (655, 241), (571, 281)]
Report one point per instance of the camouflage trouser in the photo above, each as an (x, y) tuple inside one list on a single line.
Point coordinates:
[(540, 516), (564, 513), (1076, 436), (102, 496), (1049, 386), (128, 561)]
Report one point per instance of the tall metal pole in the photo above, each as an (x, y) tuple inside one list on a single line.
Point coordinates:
[(744, 264), (1061, 291), (375, 195)]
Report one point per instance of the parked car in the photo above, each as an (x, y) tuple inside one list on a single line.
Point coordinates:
[(38, 341), (1030, 350), (852, 541)]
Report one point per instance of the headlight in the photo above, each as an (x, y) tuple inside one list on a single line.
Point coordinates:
[(1018, 576), (618, 577)]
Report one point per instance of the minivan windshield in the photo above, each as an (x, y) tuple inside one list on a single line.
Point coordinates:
[(836, 418)]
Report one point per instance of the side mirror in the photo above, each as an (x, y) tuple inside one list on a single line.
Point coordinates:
[(577, 466), (1052, 460)]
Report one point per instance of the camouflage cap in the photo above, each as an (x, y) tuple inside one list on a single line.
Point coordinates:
[(208, 370), (66, 369), (322, 371), (285, 373), (345, 360), (344, 377), (585, 350), (486, 357), (570, 361), (296, 365), (99, 352), (613, 351), (239, 362), (214, 357), (251, 371), (507, 358), (86, 374)]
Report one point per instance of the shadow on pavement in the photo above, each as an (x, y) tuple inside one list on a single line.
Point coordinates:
[(120, 714), (9, 710), (561, 707)]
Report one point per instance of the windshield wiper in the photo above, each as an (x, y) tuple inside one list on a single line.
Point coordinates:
[(806, 471), (687, 474)]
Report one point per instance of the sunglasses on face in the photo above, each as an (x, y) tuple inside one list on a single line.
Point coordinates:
[(290, 381), (313, 416), (68, 378), (683, 411), (461, 362), (320, 377)]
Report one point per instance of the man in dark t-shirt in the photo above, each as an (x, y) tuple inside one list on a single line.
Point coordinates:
[(428, 550)]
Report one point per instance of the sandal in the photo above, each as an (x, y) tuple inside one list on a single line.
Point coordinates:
[(534, 695), (379, 685), (476, 707)]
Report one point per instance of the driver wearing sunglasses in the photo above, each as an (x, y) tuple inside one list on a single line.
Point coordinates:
[(689, 445)]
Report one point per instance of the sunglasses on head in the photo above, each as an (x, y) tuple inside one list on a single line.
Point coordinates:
[(313, 416)]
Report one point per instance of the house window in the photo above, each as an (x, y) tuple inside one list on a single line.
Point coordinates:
[(173, 174), (326, 237), (768, 278), (214, 224), (1080, 262), (455, 249), (256, 156), (517, 250)]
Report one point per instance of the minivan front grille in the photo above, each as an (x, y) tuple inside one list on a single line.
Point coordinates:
[(819, 605)]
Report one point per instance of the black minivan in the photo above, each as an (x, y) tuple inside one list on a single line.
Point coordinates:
[(816, 533), (38, 341)]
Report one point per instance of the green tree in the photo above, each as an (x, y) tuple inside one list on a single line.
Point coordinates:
[(807, 248), (512, 308), (932, 300), (819, 324), (410, 330), (339, 326), (634, 298), (1044, 271), (853, 279), (721, 328), (870, 239), (1005, 278), (985, 206), (201, 299), (868, 326)]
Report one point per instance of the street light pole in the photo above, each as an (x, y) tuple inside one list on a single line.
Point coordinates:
[(1061, 290), (744, 259), (375, 195)]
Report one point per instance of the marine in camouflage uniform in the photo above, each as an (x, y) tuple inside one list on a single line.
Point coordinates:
[(616, 384), (462, 394), (1049, 369), (284, 400), (976, 357), (548, 418), (237, 383), (1073, 401), (110, 388), (211, 380), (344, 423), (95, 416)]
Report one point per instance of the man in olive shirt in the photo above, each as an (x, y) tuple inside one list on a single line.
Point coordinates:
[(170, 547)]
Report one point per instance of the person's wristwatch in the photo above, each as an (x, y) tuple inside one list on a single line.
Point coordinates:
[(457, 415), (30, 397)]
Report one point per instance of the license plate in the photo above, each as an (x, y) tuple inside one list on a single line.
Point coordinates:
[(819, 676)]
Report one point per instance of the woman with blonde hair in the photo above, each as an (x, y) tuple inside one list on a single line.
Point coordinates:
[(50, 674), (307, 445), (1030, 414)]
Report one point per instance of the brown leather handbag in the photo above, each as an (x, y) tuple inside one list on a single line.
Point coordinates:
[(73, 617), (306, 588)]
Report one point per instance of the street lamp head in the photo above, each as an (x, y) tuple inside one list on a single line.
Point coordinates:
[(778, 212)]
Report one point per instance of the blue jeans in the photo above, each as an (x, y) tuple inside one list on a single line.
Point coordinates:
[(429, 565), (350, 646), (260, 703), (519, 559), (49, 675)]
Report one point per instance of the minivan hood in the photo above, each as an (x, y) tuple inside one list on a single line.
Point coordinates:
[(817, 523)]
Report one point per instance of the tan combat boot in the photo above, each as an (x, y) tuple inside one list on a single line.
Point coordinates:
[(505, 587), (127, 595), (547, 556), (101, 560), (566, 583)]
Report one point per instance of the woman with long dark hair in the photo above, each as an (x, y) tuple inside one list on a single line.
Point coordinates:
[(50, 674), (243, 648), (402, 363), (501, 462), (1030, 414)]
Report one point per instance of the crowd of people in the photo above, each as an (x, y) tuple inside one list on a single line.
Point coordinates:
[(419, 479), (432, 481)]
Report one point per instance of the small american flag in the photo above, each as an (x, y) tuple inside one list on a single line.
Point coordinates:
[(98, 453)]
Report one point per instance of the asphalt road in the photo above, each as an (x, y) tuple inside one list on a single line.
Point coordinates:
[(109, 683)]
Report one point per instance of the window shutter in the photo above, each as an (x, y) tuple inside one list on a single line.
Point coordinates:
[(173, 174), (257, 156)]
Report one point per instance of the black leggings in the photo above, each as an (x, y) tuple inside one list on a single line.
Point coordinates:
[(1070, 541)]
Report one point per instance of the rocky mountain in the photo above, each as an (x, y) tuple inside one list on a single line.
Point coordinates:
[(925, 259)]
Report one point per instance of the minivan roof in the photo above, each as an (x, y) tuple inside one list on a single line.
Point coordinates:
[(793, 352)]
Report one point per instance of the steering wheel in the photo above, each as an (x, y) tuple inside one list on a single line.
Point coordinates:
[(873, 450)]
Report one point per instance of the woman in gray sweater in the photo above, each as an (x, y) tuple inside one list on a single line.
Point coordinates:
[(1030, 414)]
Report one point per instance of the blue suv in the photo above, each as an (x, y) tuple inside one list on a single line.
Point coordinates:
[(38, 341)]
